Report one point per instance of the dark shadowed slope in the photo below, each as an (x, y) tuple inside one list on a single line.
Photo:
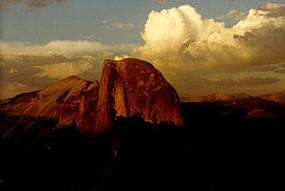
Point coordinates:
[(241, 106), (225, 145), (215, 97)]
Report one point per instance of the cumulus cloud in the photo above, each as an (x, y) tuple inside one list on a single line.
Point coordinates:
[(180, 41), (31, 4), (181, 37), (176, 36)]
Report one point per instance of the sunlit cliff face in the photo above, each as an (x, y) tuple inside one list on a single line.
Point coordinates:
[(197, 54)]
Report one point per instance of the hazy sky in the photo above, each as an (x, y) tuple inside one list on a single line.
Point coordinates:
[(201, 46)]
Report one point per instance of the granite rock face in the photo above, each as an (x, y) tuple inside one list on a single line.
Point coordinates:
[(58, 103), (132, 87), (129, 87)]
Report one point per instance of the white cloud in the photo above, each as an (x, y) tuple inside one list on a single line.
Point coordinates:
[(185, 46), (181, 38)]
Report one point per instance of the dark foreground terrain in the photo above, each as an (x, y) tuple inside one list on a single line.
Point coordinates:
[(67, 137), (214, 151)]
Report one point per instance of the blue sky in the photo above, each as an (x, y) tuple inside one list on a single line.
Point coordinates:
[(77, 20)]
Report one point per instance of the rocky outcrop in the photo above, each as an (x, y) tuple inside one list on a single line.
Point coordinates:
[(133, 87), (58, 103), (127, 88), (86, 113)]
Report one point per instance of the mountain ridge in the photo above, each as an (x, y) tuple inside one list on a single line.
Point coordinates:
[(129, 87), (276, 96)]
